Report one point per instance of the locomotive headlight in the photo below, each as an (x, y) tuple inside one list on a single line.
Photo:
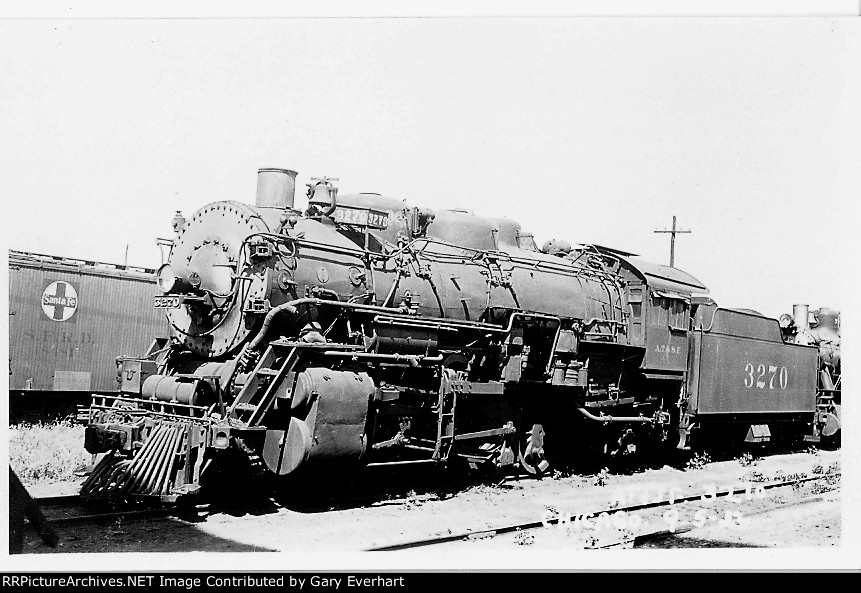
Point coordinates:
[(167, 279), (169, 282)]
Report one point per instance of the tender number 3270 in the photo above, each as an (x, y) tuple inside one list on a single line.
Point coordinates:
[(765, 377)]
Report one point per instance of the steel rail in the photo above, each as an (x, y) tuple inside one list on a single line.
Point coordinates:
[(54, 504), (553, 521), (138, 513)]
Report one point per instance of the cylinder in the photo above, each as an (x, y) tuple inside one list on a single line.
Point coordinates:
[(800, 313), (275, 188)]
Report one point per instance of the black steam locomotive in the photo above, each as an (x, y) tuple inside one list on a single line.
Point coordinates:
[(369, 331)]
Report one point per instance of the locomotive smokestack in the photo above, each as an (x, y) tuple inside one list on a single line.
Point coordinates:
[(275, 188), (800, 313)]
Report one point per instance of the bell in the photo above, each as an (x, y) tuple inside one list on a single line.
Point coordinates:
[(323, 194)]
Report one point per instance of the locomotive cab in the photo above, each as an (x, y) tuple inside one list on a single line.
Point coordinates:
[(659, 313)]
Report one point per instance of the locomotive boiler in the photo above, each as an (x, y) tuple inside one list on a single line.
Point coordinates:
[(368, 331)]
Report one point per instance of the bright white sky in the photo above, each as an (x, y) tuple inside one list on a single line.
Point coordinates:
[(591, 130)]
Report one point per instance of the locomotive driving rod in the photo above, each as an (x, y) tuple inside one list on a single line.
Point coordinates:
[(605, 418)]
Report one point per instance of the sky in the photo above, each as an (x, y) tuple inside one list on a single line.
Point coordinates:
[(592, 130), (585, 129)]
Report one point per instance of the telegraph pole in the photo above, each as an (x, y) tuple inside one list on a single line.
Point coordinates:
[(673, 241)]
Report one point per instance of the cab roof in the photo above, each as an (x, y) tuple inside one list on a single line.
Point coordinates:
[(660, 277), (657, 276)]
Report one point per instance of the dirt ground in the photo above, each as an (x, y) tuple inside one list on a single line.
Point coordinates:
[(805, 516)]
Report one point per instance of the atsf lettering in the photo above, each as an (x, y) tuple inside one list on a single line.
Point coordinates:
[(668, 349)]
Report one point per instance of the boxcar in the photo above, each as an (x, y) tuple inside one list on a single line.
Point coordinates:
[(68, 321)]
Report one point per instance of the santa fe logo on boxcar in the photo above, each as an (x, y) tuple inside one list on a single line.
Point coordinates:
[(60, 301)]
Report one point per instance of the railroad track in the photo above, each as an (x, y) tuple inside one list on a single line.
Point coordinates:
[(641, 538), (71, 509)]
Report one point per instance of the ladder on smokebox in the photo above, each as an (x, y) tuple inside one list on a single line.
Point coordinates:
[(445, 420), (259, 391)]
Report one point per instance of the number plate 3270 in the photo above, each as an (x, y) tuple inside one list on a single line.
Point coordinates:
[(168, 302)]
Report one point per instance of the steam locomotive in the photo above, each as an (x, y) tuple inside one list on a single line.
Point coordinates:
[(368, 331)]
